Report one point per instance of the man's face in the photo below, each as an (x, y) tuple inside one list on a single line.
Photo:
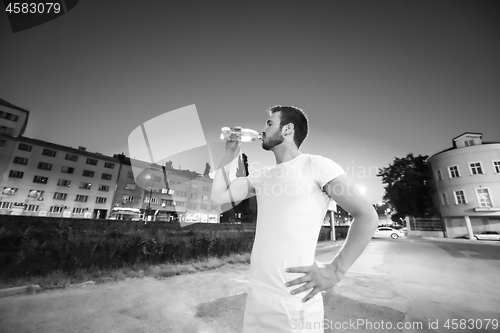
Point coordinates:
[(271, 133)]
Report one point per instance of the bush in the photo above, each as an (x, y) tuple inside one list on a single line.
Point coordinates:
[(36, 245), (46, 244)]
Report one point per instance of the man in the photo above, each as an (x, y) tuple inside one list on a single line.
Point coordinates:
[(292, 200)]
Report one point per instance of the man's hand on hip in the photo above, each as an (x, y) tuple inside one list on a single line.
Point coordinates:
[(318, 277)]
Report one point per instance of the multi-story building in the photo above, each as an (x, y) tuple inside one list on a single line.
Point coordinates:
[(46, 179), (13, 119), (162, 193), (466, 182), (13, 122)]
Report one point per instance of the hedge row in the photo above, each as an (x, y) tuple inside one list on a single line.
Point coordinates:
[(35, 245)]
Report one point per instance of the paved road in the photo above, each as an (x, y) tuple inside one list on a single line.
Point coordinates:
[(416, 281)]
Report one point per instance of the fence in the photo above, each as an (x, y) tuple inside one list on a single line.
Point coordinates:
[(426, 224)]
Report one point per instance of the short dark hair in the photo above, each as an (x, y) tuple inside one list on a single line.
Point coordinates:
[(296, 116)]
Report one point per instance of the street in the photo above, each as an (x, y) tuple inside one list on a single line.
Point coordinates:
[(425, 283)]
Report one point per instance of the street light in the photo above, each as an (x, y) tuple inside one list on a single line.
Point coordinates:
[(148, 209)]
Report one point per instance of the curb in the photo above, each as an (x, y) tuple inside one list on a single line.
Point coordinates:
[(463, 241), (19, 290)]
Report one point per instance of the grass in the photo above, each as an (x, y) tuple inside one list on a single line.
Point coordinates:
[(59, 279)]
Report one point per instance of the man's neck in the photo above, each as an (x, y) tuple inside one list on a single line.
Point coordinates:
[(284, 154)]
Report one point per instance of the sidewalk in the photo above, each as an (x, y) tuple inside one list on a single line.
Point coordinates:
[(455, 240)]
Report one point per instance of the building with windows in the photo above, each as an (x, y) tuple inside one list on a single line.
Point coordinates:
[(13, 119), (46, 179), (40, 178), (466, 179), (163, 193)]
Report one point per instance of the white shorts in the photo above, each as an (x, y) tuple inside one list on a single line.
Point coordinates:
[(264, 314)]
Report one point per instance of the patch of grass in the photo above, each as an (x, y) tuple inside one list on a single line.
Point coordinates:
[(59, 279)]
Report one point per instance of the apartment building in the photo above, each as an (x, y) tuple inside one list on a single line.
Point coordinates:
[(13, 119), (466, 179), (171, 194), (13, 122), (47, 179), (40, 178)]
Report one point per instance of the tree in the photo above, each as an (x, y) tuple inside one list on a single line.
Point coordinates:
[(408, 186)]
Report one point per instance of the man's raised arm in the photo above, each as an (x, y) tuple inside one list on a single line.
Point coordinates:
[(224, 191)]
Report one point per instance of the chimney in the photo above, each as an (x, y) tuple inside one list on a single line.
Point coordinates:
[(82, 148)]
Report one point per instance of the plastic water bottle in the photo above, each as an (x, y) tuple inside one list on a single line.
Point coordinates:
[(239, 134)]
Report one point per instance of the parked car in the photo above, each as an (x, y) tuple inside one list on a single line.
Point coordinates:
[(488, 235), (386, 232)]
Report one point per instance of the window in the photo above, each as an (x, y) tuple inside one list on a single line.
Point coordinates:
[(40, 179), (35, 194), (9, 190), (82, 198), (194, 186), (44, 166), (203, 206), (5, 205), (153, 200), (454, 171), (496, 166), (193, 196), (60, 196), (91, 161), (204, 197), (71, 157), (469, 142), (85, 186), (49, 152), (2, 142), (104, 188), (66, 169), (25, 147), (20, 160), (106, 176), (483, 197), (214, 207), (88, 173), (167, 191), (444, 199), (56, 209), (109, 165), (9, 116), (16, 174), (476, 168), (6, 130), (439, 175), (130, 187), (80, 210), (64, 182), (180, 203), (31, 208), (128, 198), (205, 188), (100, 200), (460, 197)]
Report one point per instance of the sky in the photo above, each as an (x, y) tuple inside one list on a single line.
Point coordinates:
[(377, 79)]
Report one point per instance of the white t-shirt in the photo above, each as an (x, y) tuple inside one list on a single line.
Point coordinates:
[(291, 206)]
